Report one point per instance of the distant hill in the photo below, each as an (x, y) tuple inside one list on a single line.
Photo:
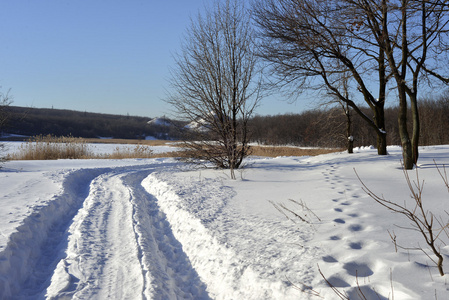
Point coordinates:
[(59, 122), (313, 128)]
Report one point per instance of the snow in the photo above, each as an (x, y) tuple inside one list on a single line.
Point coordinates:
[(161, 229), (199, 125), (160, 122)]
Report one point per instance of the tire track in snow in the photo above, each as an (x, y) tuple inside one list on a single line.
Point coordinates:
[(121, 247), (29, 258), (168, 270), (93, 256)]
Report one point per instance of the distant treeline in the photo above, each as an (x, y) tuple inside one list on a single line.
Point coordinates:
[(327, 127), (312, 128), (57, 122)]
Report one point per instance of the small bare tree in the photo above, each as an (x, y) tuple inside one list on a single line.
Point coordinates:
[(216, 85), (422, 220), (5, 102)]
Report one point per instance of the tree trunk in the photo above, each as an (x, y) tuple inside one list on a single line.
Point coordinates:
[(350, 144), (382, 143), (416, 128), (379, 120), (407, 154), (349, 126), (379, 108)]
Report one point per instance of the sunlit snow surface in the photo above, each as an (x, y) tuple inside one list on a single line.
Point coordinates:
[(159, 229)]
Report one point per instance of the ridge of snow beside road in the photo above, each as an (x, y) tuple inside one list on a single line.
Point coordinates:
[(231, 251)]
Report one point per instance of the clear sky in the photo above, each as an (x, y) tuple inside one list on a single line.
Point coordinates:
[(107, 56)]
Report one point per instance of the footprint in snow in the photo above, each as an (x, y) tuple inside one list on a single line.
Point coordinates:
[(355, 227), (356, 245), (368, 292), (339, 221), (329, 259), (358, 269), (337, 282), (338, 209)]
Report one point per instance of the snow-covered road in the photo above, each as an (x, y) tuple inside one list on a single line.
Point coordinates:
[(118, 245), (121, 246), (159, 229)]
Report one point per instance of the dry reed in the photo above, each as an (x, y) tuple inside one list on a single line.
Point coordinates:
[(50, 147), (139, 151), (274, 151)]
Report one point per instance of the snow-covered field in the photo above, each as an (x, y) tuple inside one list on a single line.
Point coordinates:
[(158, 229)]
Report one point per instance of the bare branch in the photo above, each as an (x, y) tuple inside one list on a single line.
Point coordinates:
[(422, 219), (216, 84)]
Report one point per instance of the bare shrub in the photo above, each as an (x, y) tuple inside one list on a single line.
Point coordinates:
[(292, 215), (422, 220), (5, 102), (3, 158)]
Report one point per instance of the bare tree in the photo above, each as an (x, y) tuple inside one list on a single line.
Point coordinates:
[(5, 102), (413, 36), (346, 111), (216, 84), (349, 135), (311, 44), (424, 37)]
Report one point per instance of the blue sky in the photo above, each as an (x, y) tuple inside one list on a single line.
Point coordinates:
[(105, 56)]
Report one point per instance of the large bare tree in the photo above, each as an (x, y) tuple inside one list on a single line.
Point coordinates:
[(401, 42), (216, 83), (312, 46), (416, 42), (413, 37)]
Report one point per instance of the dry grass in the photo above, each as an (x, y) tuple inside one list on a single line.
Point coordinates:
[(137, 151), (126, 141), (272, 151), (50, 147)]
